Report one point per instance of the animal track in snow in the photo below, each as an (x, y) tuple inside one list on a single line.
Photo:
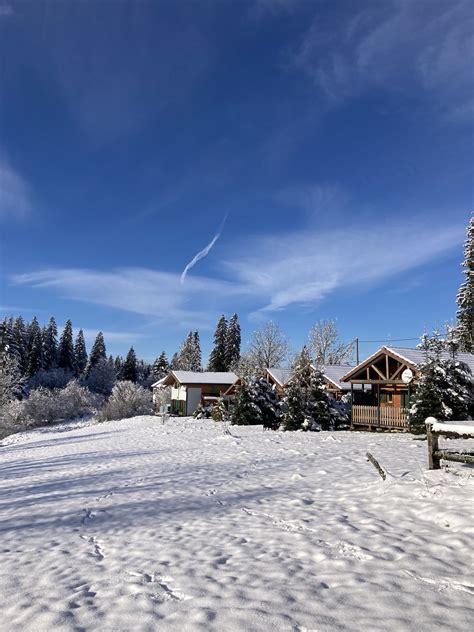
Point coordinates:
[(342, 548), (98, 551), (441, 584), (164, 591)]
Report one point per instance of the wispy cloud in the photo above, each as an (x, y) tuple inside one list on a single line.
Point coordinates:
[(204, 252), (6, 10), (14, 192), (406, 47), (127, 337), (264, 274)]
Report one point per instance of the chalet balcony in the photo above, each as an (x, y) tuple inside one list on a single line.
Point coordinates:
[(380, 417)]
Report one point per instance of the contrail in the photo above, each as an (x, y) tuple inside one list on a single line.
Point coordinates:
[(204, 252)]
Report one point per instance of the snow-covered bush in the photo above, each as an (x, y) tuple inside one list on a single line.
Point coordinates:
[(161, 396), (219, 412), (53, 378), (13, 416), (202, 412), (46, 405), (126, 400), (340, 413)]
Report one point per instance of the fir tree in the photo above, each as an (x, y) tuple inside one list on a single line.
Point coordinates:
[(232, 344), (35, 357), (118, 366), (32, 330), (97, 352), (189, 357), (66, 359), (244, 412), (196, 357), (50, 345), (10, 378), (174, 364), (19, 344), (306, 403), (101, 378), (80, 353), (267, 402), (465, 297), (161, 367), (130, 370), (218, 359), (444, 389)]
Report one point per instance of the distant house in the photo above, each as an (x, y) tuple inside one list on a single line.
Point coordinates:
[(392, 374), (332, 375), (189, 389)]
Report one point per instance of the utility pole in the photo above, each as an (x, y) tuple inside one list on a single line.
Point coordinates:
[(357, 350)]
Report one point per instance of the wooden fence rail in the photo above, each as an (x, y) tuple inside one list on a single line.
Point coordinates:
[(452, 430), (383, 417)]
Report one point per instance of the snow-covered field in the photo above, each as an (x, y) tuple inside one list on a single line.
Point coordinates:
[(131, 525)]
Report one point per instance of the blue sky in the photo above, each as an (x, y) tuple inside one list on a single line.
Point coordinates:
[(334, 137)]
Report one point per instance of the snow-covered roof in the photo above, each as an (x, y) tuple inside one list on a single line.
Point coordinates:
[(203, 377), (416, 356), (159, 383), (281, 376), (411, 356), (334, 372)]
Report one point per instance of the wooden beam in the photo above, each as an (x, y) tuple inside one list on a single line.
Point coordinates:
[(401, 368), (372, 366), (386, 367)]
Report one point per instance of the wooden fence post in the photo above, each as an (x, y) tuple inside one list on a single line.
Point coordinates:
[(434, 462)]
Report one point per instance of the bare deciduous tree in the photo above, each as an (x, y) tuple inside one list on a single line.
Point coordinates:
[(268, 346), (326, 347)]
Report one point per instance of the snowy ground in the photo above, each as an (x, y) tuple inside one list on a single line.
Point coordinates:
[(131, 525)]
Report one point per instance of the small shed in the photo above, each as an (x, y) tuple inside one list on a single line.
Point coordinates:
[(191, 388)]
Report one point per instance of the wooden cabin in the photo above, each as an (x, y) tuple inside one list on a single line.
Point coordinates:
[(278, 378), (189, 389), (392, 374)]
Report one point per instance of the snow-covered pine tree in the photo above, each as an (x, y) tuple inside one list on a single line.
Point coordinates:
[(35, 356), (217, 359), (130, 370), (174, 364), (50, 345), (189, 357), (118, 366), (19, 344), (98, 351), (101, 378), (196, 353), (10, 378), (243, 411), (232, 343), (161, 367), (80, 353), (432, 395), (465, 297), (268, 403), (32, 328), (306, 403), (66, 359)]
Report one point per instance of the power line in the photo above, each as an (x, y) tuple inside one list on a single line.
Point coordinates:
[(392, 340)]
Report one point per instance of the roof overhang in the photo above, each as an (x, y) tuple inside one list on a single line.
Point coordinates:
[(383, 351)]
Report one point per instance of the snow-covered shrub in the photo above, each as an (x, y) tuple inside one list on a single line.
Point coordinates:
[(101, 377), (13, 416), (53, 378), (219, 412), (126, 400), (46, 405), (202, 412), (340, 413), (161, 396)]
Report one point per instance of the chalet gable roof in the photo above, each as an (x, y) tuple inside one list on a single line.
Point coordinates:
[(195, 377)]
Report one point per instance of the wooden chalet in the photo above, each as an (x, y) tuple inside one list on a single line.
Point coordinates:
[(392, 374), (190, 388)]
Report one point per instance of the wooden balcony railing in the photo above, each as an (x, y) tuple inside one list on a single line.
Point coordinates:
[(385, 417)]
